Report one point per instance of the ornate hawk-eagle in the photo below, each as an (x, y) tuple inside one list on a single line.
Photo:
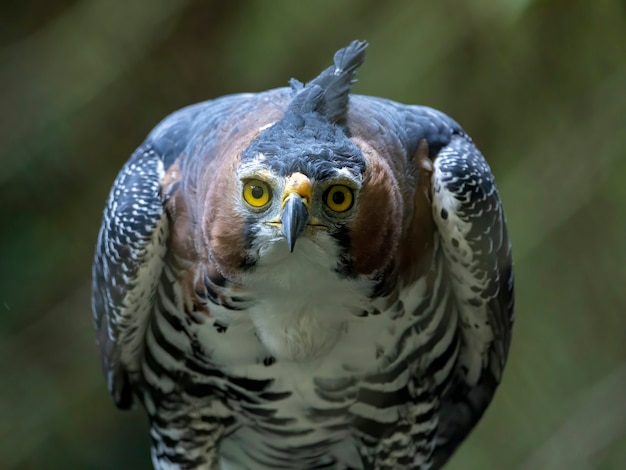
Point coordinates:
[(304, 278)]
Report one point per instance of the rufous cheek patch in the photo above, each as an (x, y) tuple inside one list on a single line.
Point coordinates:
[(375, 232)]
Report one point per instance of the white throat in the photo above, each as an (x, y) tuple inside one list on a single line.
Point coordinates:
[(305, 306)]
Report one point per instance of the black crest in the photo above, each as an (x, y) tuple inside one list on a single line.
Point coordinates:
[(328, 93), (312, 136)]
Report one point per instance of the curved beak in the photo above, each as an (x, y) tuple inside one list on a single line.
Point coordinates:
[(294, 217), (295, 213)]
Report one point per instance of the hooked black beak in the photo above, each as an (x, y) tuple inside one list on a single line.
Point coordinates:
[(294, 217)]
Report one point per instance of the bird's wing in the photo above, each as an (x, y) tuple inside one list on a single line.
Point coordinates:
[(133, 238), (470, 221)]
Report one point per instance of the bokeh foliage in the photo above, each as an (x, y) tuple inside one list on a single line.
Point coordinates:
[(539, 84)]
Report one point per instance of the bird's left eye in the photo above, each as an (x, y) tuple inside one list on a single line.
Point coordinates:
[(257, 193), (339, 198)]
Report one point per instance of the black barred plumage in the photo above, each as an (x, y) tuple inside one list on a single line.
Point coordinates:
[(277, 328)]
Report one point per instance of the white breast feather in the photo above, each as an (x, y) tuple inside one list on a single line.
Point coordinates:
[(303, 305)]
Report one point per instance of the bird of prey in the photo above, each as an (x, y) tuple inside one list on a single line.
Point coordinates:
[(304, 278)]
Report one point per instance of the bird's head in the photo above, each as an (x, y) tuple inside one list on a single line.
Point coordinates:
[(307, 184), (303, 177)]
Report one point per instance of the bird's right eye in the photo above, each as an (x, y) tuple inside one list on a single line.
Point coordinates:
[(257, 193)]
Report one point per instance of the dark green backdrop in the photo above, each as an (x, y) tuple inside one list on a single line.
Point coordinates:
[(540, 85)]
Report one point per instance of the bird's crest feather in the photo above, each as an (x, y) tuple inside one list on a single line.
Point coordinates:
[(328, 93)]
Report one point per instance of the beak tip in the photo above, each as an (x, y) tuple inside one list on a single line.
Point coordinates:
[(291, 243)]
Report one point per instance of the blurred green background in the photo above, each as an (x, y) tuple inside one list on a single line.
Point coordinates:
[(540, 85)]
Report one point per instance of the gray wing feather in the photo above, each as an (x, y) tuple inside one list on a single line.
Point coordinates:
[(133, 238), (472, 231), (472, 227), (127, 265)]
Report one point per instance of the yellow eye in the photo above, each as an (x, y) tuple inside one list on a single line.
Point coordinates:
[(257, 193), (339, 198)]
